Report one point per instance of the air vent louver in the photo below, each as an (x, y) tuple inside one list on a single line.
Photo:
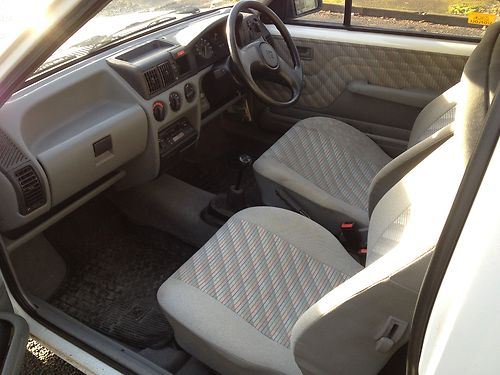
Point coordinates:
[(166, 73), (30, 188), (153, 80), (18, 168)]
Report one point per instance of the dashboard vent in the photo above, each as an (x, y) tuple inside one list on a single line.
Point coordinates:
[(153, 80), (18, 168), (30, 188), (166, 73)]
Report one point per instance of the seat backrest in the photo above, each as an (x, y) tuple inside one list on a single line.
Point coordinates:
[(360, 324), (437, 115)]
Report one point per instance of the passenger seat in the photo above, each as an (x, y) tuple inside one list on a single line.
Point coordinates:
[(327, 167)]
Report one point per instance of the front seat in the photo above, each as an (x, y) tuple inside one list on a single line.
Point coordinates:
[(324, 167), (272, 292)]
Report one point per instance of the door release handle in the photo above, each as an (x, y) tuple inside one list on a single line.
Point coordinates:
[(305, 53)]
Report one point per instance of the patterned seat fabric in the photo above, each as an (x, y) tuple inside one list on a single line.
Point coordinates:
[(260, 276), (334, 156), (235, 303), (327, 166)]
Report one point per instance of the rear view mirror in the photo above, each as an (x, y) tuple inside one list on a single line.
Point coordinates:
[(303, 7)]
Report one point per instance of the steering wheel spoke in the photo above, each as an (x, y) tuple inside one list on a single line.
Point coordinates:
[(290, 76), (259, 57)]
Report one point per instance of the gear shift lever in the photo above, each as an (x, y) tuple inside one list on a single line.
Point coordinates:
[(223, 206), (236, 195), (245, 162)]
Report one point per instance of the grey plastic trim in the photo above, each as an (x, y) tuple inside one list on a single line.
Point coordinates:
[(414, 98), (10, 245), (217, 112), (71, 164), (416, 43), (17, 348)]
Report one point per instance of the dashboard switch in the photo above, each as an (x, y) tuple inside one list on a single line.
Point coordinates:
[(175, 101), (159, 111), (189, 92)]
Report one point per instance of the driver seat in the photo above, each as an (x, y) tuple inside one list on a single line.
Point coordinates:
[(324, 167)]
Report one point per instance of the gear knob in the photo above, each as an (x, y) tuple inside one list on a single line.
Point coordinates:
[(245, 161)]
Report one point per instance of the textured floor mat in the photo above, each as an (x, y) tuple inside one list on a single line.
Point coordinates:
[(114, 270)]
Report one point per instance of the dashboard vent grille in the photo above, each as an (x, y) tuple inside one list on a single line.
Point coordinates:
[(30, 187), (153, 80), (166, 73)]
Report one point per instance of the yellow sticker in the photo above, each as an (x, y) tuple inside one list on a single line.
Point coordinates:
[(485, 19)]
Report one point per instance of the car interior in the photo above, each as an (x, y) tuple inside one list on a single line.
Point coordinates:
[(232, 195)]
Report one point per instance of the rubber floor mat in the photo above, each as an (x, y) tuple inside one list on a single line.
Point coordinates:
[(115, 268)]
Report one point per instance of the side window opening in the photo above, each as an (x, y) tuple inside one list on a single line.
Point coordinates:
[(456, 18)]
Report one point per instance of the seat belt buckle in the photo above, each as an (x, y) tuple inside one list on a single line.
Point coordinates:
[(347, 226), (349, 235), (362, 253), (353, 241)]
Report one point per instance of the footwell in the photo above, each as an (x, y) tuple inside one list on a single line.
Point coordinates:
[(115, 268)]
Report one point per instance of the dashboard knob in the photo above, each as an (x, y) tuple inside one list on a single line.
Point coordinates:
[(175, 101), (189, 92), (159, 111)]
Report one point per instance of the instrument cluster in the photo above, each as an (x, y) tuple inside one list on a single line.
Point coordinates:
[(211, 47)]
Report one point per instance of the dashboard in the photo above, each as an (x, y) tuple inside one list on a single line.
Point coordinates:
[(118, 118)]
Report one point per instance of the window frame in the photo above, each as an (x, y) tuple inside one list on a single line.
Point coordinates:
[(291, 18)]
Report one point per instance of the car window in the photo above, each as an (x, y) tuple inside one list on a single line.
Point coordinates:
[(117, 20), (17, 15), (462, 18)]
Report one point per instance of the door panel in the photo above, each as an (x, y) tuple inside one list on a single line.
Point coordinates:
[(377, 83)]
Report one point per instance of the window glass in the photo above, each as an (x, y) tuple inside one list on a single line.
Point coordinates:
[(332, 11), (468, 18), (117, 20), (17, 15)]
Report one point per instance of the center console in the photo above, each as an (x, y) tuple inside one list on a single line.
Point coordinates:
[(174, 139)]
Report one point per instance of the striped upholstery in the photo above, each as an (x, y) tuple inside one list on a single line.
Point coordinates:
[(390, 237), (446, 119), (260, 276), (332, 155)]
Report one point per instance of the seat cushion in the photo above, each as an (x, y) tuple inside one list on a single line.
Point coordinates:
[(327, 166), (234, 303)]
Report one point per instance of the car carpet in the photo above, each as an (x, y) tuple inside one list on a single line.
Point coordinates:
[(115, 268)]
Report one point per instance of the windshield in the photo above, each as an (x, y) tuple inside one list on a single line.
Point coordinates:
[(117, 20)]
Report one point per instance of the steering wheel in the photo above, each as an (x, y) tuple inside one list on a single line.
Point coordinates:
[(259, 59)]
